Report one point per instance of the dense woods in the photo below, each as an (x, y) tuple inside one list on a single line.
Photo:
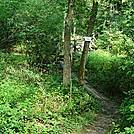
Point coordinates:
[(43, 43)]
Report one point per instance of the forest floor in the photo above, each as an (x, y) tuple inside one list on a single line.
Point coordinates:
[(110, 113), (103, 123)]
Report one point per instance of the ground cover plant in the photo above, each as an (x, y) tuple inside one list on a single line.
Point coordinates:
[(31, 102), (126, 124), (33, 96)]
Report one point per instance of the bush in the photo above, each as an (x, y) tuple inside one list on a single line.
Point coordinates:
[(116, 42), (126, 125), (127, 110), (33, 27), (109, 73), (31, 102), (128, 130)]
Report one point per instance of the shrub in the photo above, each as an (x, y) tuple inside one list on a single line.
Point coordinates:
[(126, 125), (127, 110), (33, 27), (109, 73), (31, 102)]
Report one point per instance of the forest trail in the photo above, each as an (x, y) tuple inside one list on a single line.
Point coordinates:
[(109, 114), (103, 122)]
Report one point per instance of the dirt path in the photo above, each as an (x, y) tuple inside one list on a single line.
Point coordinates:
[(103, 122), (110, 113)]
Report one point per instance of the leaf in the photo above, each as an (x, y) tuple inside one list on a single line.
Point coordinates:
[(132, 108)]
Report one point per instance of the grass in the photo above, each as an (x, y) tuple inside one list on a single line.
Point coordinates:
[(36, 102), (108, 73)]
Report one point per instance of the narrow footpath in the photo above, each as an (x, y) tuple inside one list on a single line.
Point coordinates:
[(109, 114), (103, 122)]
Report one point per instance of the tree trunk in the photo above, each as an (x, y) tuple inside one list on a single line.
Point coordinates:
[(67, 36), (81, 72)]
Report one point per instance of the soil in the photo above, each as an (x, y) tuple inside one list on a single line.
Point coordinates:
[(110, 113), (103, 122)]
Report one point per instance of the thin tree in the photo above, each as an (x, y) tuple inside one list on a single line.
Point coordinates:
[(81, 73), (67, 38)]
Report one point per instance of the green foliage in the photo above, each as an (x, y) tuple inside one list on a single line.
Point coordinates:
[(113, 72), (36, 27), (126, 19), (109, 73), (126, 125), (32, 102), (82, 12), (115, 17), (116, 42), (43, 31), (101, 70), (8, 11), (127, 110), (128, 130)]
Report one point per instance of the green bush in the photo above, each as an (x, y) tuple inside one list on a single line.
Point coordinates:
[(8, 23), (41, 31), (128, 130), (32, 102), (126, 123), (116, 42), (109, 73), (33, 27), (127, 110)]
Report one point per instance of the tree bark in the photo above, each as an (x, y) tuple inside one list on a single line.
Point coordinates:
[(67, 36), (81, 73)]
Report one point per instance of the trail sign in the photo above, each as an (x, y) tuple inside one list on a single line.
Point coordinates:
[(87, 39)]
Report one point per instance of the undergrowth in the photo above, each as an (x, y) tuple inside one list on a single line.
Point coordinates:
[(108, 73), (33, 101), (126, 124)]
